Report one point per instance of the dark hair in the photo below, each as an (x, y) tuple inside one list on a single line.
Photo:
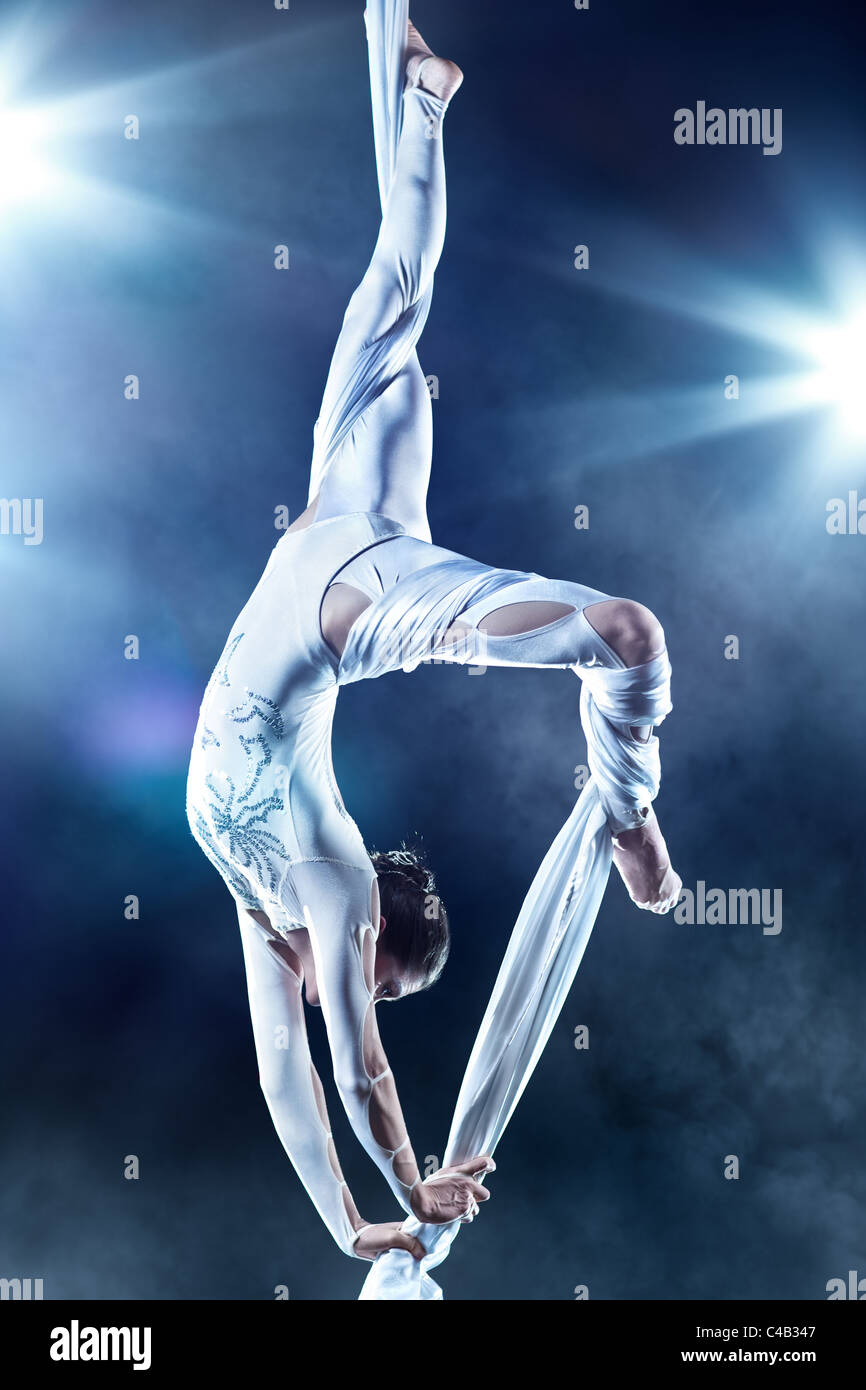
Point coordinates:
[(418, 935)]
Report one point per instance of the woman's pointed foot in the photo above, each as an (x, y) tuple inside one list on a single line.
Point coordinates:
[(642, 858), (425, 70)]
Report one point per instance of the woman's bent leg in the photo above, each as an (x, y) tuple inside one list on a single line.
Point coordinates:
[(567, 631)]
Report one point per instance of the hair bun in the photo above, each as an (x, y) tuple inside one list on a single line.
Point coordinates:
[(406, 864)]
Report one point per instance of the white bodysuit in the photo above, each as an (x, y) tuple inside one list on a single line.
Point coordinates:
[(262, 800)]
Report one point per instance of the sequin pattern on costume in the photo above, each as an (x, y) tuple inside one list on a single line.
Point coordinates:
[(234, 831)]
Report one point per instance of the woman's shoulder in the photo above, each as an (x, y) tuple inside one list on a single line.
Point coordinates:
[(334, 891)]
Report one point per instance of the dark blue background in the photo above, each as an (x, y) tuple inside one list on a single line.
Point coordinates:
[(557, 388)]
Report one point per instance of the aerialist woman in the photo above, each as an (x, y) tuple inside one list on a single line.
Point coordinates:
[(355, 588)]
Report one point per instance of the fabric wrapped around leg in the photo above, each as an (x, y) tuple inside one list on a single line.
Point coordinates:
[(402, 628), (625, 770)]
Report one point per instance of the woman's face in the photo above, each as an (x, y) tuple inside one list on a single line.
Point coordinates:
[(393, 980)]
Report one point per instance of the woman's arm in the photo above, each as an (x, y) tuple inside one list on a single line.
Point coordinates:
[(289, 1080), (340, 904), (295, 1097)]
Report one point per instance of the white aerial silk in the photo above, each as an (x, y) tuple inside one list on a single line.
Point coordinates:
[(560, 909), (556, 919)]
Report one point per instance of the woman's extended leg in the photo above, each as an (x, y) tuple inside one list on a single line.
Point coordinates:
[(373, 438)]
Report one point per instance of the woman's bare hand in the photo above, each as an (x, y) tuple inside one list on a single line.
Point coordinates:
[(374, 1240), (452, 1194)]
